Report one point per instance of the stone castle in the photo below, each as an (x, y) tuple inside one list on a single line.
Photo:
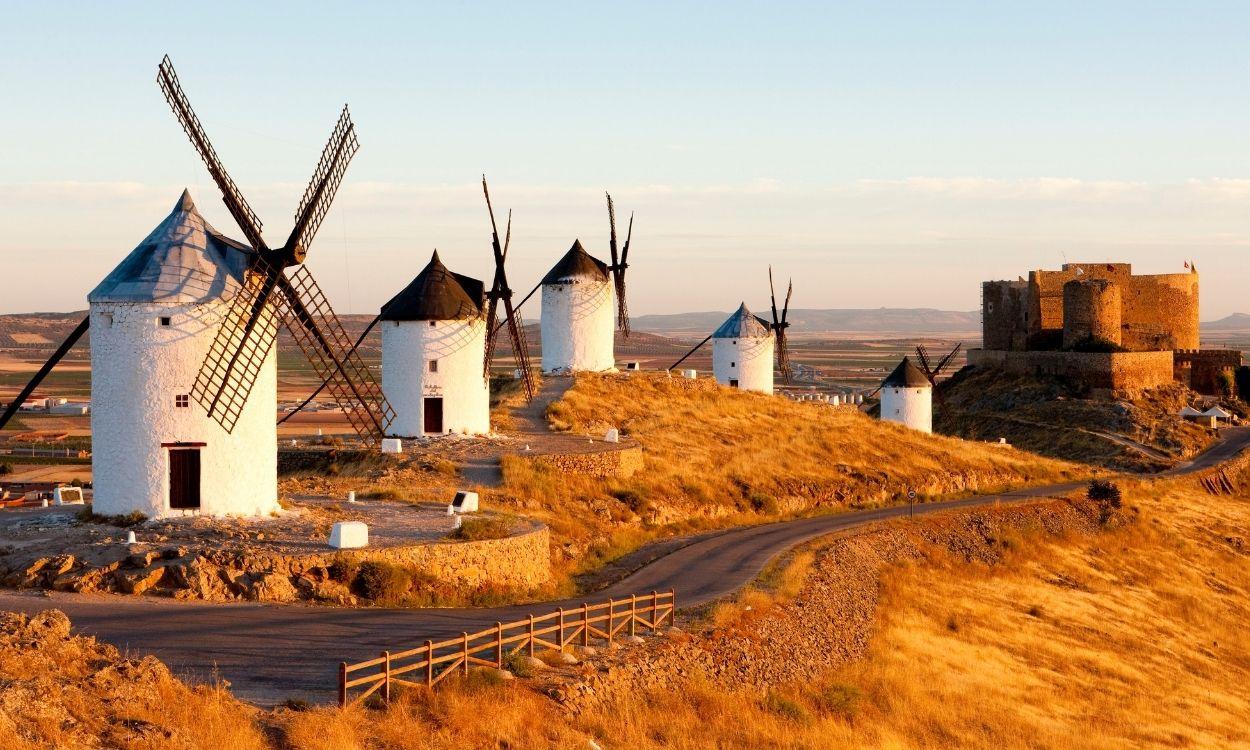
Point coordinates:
[(1102, 325)]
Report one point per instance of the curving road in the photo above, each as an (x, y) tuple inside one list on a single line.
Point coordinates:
[(273, 652)]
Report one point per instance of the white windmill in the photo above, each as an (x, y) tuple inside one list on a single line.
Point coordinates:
[(581, 296), (153, 321), (742, 352), (907, 397), (433, 336)]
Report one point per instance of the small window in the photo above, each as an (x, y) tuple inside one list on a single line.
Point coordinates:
[(182, 401), (433, 365), (164, 320), (107, 319), (733, 364), (432, 323)]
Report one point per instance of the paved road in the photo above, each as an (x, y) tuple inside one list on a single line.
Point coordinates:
[(271, 652)]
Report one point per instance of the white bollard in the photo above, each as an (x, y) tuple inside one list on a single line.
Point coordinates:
[(613, 436), (349, 535), (130, 538), (351, 496)]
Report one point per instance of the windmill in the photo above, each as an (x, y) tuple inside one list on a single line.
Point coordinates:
[(930, 371), (501, 292), (779, 326), (279, 289), (619, 264)]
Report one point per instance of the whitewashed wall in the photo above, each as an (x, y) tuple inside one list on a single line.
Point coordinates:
[(137, 369), (578, 323), (911, 407), (747, 360), (459, 346)]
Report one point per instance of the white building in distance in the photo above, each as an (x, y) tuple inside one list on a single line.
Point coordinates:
[(907, 397), (578, 315), (154, 449), (433, 355), (742, 352)]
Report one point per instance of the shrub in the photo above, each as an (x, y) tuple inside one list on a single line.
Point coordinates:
[(387, 494), (519, 665), (633, 499), (480, 529), (343, 569), (761, 503), (1107, 495), (785, 707), (5, 469), (838, 699), (382, 582)]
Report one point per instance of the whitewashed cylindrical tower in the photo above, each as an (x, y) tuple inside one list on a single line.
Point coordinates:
[(578, 315), (742, 352), (907, 397), (155, 450), (433, 350)]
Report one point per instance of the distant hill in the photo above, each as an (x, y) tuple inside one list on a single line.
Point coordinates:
[(1234, 322), (878, 320)]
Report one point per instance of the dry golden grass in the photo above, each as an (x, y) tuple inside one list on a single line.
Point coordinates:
[(717, 456)]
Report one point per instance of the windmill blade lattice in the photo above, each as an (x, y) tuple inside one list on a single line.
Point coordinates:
[(620, 262), (501, 292)]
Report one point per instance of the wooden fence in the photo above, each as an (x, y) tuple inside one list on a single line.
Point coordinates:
[(432, 662)]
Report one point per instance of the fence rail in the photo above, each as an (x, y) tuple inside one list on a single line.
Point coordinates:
[(432, 662)]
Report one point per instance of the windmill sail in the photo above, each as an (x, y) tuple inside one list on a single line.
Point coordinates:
[(780, 324), (43, 371), (501, 292), (270, 296), (620, 262)]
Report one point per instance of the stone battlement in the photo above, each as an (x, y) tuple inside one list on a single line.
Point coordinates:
[(1118, 372)]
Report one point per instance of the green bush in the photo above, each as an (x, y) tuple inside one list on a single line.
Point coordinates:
[(5, 469), (481, 529), (762, 503), (838, 699), (785, 707), (382, 582), (633, 499), (1107, 495)]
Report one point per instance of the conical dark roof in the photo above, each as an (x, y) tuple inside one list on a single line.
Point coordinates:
[(437, 294), (906, 375), (743, 325), (577, 265), (183, 260)]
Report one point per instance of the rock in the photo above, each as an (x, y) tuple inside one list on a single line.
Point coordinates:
[(36, 566), (634, 639), (172, 553), (534, 663), (62, 564), (504, 675), (333, 591), (142, 559), (587, 651), (272, 587), (138, 581)]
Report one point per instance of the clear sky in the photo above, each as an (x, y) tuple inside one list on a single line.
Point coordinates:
[(884, 154)]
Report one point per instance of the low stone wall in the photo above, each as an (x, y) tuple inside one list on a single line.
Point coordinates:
[(521, 561), (611, 464), (1119, 372)]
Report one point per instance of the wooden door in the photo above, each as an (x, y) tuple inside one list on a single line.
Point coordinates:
[(434, 416), (184, 478)]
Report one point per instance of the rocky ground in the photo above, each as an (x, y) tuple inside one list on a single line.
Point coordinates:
[(275, 559)]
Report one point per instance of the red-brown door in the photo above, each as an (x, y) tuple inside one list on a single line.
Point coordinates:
[(184, 478), (434, 416)]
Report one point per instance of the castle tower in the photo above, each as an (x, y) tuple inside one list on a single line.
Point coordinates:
[(742, 352), (907, 397), (433, 345), (154, 449), (1091, 311), (578, 315)]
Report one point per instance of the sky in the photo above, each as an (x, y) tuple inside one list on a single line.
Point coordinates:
[(881, 154)]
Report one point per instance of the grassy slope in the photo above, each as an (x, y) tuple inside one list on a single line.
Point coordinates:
[(717, 456), (1048, 416), (1122, 639)]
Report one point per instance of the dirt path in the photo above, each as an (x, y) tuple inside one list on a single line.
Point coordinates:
[(272, 652)]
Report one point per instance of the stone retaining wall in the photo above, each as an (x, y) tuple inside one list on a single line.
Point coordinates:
[(611, 464)]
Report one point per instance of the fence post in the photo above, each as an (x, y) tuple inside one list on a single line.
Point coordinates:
[(464, 638), (655, 611), (531, 636), (429, 664), (386, 677), (672, 613), (342, 684), (585, 624), (633, 613), (561, 639), (611, 618), (499, 645)]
